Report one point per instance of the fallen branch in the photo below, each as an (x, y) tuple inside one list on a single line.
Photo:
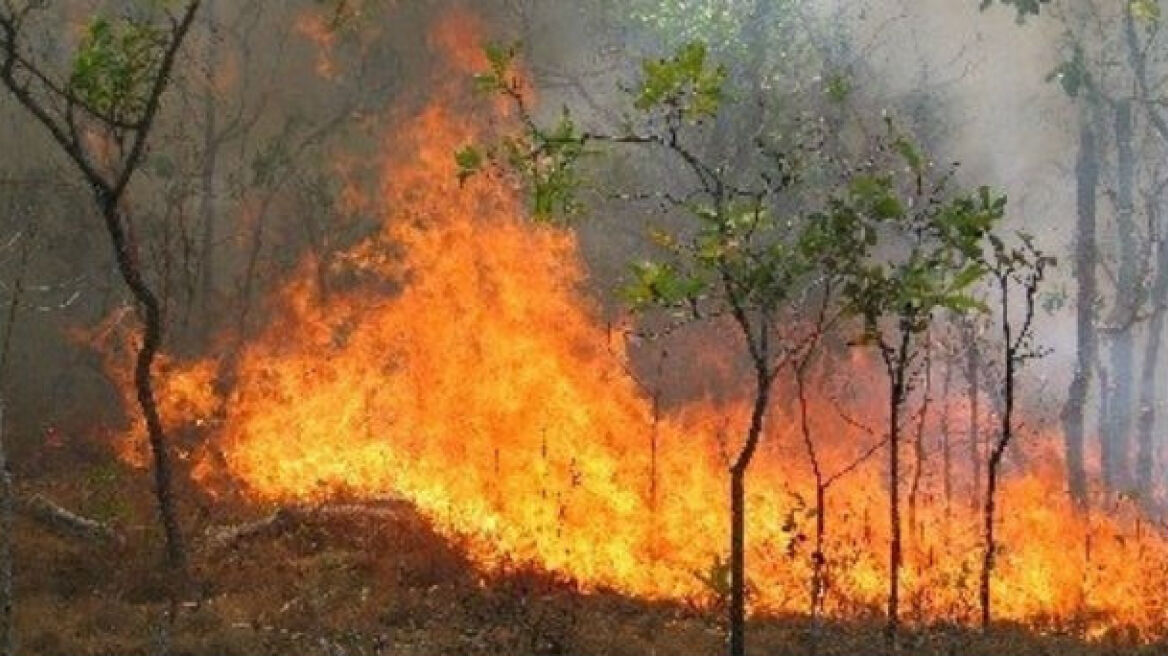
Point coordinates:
[(287, 518), (65, 523)]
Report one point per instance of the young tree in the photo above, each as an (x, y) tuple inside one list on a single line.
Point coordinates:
[(929, 263), (899, 251), (824, 480), (738, 259), (101, 116), (1023, 268)]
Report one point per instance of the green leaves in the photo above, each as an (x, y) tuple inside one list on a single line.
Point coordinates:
[(1145, 10), (549, 167), (1025, 7), (470, 161), (661, 284), (925, 246), (685, 83), (544, 158), (838, 88), (501, 58), (908, 151), (1072, 74), (874, 196), (115, 65)]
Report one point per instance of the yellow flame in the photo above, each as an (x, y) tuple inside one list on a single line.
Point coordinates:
[(486, 390)]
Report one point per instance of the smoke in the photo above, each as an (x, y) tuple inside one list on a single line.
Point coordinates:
[(970, 84)]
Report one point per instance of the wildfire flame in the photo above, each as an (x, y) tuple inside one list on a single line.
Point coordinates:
[(470, 373)]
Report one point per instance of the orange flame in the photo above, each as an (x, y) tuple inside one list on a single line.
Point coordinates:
[(483, 387)]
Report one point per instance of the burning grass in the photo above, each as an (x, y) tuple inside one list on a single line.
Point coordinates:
[(486, 389), (347, 584)]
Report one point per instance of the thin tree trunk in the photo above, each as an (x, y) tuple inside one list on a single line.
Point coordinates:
[(737, 563), (896, 362), (109, 191), (7, 636), (1106, 446), (894, 550), (1145, 464), (7, 493), (946, 441), (143, 384), (1087, 182), (738, 514), (919, 446), (818, 559), (995, 459), (973, 378), (989, 548), (1127, 302), (207, 176)]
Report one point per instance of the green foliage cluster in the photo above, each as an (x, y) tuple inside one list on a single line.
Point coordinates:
[(778, 43), (724, 23), (685, 80), (1143, 10), (714, 21), (1025, 7), (939, 244), (115, 66), (895, 243), (1072, 74), (545, 157)]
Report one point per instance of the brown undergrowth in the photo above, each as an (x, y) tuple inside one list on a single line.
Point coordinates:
[(358, 585)]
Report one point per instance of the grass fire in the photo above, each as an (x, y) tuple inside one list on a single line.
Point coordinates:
[(541, 327)]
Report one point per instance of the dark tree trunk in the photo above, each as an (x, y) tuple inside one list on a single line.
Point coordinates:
[(151, 312), (738, 514), (737, 562), (207, 175), (1087, 182), (946, 441), (818, 567), (896, 360), (973, 378), (7, 492), (818, 557), (995, 459), (919, 448), (894, 548), (989, 548), (109, 189), (7, 638), (1127, 303)]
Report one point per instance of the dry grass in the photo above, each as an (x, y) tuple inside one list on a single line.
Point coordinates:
[(357, 587)]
